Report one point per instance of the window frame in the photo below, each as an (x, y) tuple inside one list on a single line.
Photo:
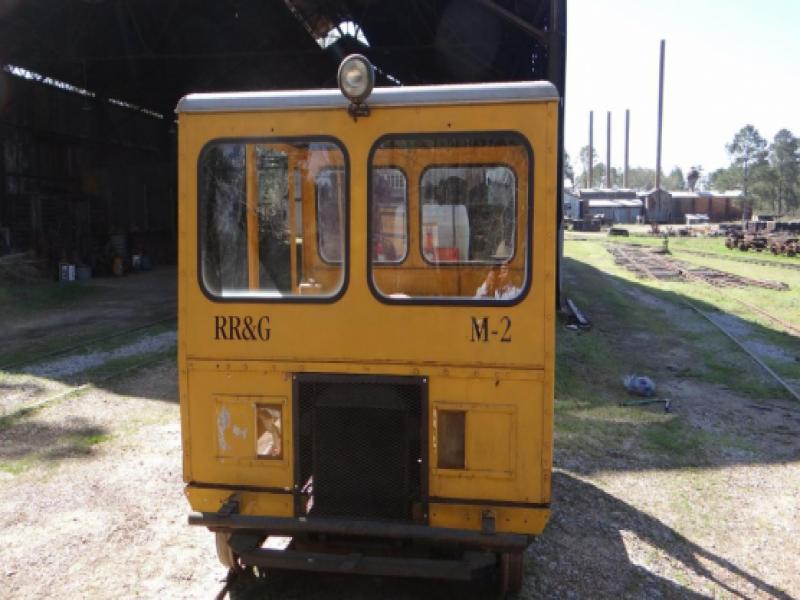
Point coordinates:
[(525, 143), (253, 298)]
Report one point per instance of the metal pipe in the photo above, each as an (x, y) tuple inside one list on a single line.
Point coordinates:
[(627, 146), (591, 148), (660, 115), (609, 183), (359, 528)]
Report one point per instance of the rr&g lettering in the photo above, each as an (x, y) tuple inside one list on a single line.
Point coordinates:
[(248, 329)]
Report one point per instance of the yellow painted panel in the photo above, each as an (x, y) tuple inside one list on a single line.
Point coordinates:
[(491, 440), (507, 519), (222, 420), (250, 503), (501, 463)]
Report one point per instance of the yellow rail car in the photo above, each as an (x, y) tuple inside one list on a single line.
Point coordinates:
[(366, 305)]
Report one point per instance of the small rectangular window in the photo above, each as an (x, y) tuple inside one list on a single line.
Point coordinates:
[(451, 435), (269, 437)]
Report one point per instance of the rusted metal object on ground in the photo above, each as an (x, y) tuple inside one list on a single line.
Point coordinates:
[(778, 237)]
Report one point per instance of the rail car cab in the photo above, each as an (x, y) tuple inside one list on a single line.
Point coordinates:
[(366, 324)]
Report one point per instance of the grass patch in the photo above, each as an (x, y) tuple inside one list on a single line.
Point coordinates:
[(87, 441), (91, 340), (733, 370), (17, 467), (676, 437), (120, 366), (673, 437), (12, 419), (32, 296)]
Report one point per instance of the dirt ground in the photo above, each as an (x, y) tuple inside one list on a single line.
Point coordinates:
[(701, 502)]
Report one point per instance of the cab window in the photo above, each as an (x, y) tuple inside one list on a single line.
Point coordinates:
[(469, 206), (260, 209)]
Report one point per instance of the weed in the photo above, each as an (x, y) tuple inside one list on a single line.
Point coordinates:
[(87, 441), (11, 419), (676, 437), (29, 297), (16, 467), (120, 366)]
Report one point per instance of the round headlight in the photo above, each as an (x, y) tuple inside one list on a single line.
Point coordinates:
[(356, 78)]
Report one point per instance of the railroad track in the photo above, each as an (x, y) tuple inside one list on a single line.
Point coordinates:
[(647, 264), (646, 261), (84, 344), (27, 407), (743, 259), (792, 391)]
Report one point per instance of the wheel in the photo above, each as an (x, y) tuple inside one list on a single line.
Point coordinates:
[(511, 572), (225, 552)]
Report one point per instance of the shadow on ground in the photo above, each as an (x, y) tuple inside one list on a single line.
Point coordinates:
[(582, 554), (31, 439), (109, 326)]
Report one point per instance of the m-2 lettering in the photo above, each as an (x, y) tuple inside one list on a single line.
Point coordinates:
[(248, 329), (482, 332)]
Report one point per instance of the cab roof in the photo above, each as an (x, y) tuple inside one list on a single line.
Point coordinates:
[(478, 93)]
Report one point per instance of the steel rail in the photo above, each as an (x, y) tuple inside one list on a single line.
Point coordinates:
[(761, 363), (81, 388), (791, 329), (618, 249), (81, 345), (742, 259)]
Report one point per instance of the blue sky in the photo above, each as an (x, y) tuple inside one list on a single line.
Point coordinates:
[(728, 63)]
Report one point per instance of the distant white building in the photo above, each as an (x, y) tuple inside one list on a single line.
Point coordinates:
[(611, 205)]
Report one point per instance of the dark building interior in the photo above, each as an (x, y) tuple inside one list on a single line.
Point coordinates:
[(88, 89)]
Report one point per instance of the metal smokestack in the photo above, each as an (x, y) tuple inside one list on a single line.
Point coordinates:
[(609, 183), (660, 115), (591, 148), (627, 146)]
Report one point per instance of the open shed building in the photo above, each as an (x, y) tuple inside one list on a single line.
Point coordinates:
[(88, 88)]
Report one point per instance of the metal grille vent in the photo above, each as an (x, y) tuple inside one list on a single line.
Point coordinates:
[(360, 446)]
